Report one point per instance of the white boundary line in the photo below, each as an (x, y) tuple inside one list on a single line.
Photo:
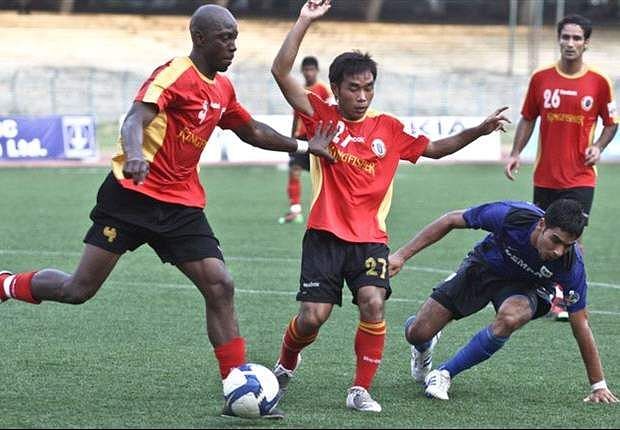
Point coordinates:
[(267, 259), (286, 293)]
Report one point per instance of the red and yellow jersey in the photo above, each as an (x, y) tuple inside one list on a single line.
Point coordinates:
[(190, 105), (320, 89), (568, 106), (352, 197)]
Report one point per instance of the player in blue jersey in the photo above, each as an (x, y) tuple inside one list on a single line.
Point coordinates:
[(515, 267)]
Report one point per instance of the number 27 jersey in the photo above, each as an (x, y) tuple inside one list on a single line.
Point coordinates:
[(352, 197)]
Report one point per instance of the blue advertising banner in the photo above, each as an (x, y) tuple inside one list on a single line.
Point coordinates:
[(47, 137)]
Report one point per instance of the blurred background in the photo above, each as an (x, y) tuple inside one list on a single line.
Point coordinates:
[(436, 57)]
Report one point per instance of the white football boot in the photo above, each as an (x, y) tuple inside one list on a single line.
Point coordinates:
[(359, 399), (284, 375), (437, 384), (422, 362)]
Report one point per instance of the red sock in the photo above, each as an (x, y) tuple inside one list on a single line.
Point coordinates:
[(292, 344), (294, 190), (19, 287), (230, 355), (369, 343)]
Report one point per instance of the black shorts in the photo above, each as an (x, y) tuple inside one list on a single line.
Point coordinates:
[(124, 219), (327, 261), (474, 286), (543, 197), (301, 160)]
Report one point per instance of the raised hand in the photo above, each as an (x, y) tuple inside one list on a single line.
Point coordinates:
[(323, 136), (495, 121), (136, 169), (314, 9)]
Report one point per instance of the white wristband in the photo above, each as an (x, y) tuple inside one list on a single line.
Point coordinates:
[(302, 147), (600, 385)]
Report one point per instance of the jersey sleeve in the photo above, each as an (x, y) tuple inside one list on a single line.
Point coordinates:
[(608, 109), (575, 288), (235, 115), (322, 112), (159, 89), (489, 216), (411, 144), (530, 108)]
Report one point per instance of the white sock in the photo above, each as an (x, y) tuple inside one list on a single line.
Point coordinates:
[(6, 285)]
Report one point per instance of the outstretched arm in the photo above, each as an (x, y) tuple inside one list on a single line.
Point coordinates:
[(441, 148), (132, 133), (263, 136), (591, 359), (522, 136), (293, 91), (430, 234)]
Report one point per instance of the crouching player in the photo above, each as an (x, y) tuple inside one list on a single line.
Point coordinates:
[(515, 267)]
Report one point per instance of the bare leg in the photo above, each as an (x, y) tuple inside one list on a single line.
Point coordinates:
[(95, 266), (213, 280), (430, 319)]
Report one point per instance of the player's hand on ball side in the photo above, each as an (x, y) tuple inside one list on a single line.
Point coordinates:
[(395, 264), (136, 169), (323, 136), (495, 121), (314, 9), (601, 396)]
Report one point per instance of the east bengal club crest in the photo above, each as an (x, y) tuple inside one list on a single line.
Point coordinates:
[(586, 103), (378, 147)]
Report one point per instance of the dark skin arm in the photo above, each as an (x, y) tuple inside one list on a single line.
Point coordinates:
[(262, 136), (132, 132), (590, 356), (430, 234)]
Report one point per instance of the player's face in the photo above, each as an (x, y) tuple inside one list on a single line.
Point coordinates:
[(553, 243), (310, 73), (220, 46), (572, 42), (355, 94)]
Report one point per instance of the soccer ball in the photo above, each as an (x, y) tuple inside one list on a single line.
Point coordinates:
[(250, 391)]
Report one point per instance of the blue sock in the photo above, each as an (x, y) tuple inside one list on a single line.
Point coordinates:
[(422, 347), (482, 346)]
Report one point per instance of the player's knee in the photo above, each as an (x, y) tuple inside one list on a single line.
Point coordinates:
[(507, 323), (311, 320), (418, 333), (76, 293), (220, 293), (371, 308)]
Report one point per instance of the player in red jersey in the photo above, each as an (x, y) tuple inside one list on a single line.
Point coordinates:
[(346, 237), (299, 162), (569, 97), (153, 194)]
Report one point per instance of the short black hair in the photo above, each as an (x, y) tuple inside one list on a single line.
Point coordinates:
[(581, 21), (349, 64), (567, 215), (309, 61)]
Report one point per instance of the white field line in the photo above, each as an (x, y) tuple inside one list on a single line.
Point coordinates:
[(263, 260), (287, 293)]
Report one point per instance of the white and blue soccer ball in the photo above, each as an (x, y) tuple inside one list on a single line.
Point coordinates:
[(250, 391)]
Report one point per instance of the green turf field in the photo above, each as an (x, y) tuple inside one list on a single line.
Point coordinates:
[(136, 355)]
